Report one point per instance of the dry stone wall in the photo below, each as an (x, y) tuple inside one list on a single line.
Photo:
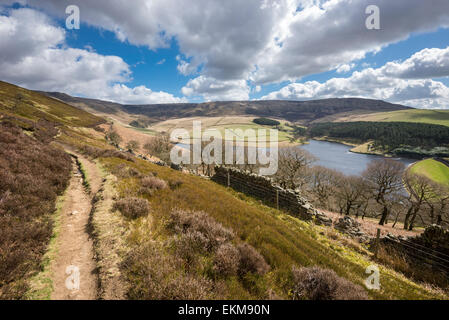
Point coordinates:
[(271, 194)]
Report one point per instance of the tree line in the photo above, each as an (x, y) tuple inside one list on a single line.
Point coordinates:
[(385, 190), (396, 137)]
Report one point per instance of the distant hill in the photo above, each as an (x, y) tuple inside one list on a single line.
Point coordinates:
[(295, 111)]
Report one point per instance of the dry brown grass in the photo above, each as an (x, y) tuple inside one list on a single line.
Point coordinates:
[(109, 230), (412, 268)]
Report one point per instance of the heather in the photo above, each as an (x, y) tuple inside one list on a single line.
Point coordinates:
[(32, 176)]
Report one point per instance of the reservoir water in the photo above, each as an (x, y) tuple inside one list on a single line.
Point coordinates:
[(339, 157)]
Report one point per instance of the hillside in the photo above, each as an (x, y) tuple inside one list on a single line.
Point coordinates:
[(295, 111), (193, 238), (34, 106), (434, 170), (440, 117)]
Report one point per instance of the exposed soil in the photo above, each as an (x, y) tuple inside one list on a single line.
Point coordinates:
[(370, 226), (75, 247)]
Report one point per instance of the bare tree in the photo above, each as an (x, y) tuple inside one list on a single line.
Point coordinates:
[(421, 190), (291, 164), (159, 146), (132, 145), (113, 137), (350, 193), (438, 203), (384, 178), (322, 183)]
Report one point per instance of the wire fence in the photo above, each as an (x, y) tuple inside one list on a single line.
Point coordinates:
[(284, 199), (429, 257)]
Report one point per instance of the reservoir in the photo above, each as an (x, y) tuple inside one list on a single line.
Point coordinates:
[(339, 157)]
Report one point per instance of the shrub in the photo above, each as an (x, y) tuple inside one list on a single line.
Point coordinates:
[(132, 207), (175, 184), (153, 275), (124, 171), (226, 261), (189, 244), (153, 183), (184, 221), (251, 260), (316, 283)]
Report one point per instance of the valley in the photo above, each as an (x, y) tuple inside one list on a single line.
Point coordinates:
[(130, 209)]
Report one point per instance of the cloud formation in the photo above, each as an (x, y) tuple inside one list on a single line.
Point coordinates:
[(401, 82), (259, 41), (34, 55)]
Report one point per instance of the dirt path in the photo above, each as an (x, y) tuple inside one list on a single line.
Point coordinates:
[(74, 274)]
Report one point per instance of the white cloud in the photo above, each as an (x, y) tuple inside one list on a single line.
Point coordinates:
[(211, 89), (34, 55), (395, 82), (345, 68), (425, 64), (327, 34), (262, 41), (139, 95)]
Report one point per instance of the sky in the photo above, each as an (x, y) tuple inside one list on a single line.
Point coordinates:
[(172, 51)]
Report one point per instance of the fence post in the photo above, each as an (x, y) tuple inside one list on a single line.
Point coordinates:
[(229, 179), (277, 199), (376, 246)]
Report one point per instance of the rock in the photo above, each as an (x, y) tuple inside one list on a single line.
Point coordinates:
[(351, 227), (74, 213)]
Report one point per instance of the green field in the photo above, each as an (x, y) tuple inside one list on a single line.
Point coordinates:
[(220, 124), (440, 117), (434, 170)]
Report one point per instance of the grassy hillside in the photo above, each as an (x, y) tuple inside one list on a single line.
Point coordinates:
[(35, 106), (434, 170), (440, 117), (283, 240), (159, 259)]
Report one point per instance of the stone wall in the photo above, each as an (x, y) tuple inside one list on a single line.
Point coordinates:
[(269, 193), (430, 249)]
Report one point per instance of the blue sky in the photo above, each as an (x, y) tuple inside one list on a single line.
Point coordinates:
[(170, 51)]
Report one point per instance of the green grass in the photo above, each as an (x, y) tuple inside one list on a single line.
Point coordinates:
[(41, 284), (440, 117), (283, 240), (34, 106), (434, 170)]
